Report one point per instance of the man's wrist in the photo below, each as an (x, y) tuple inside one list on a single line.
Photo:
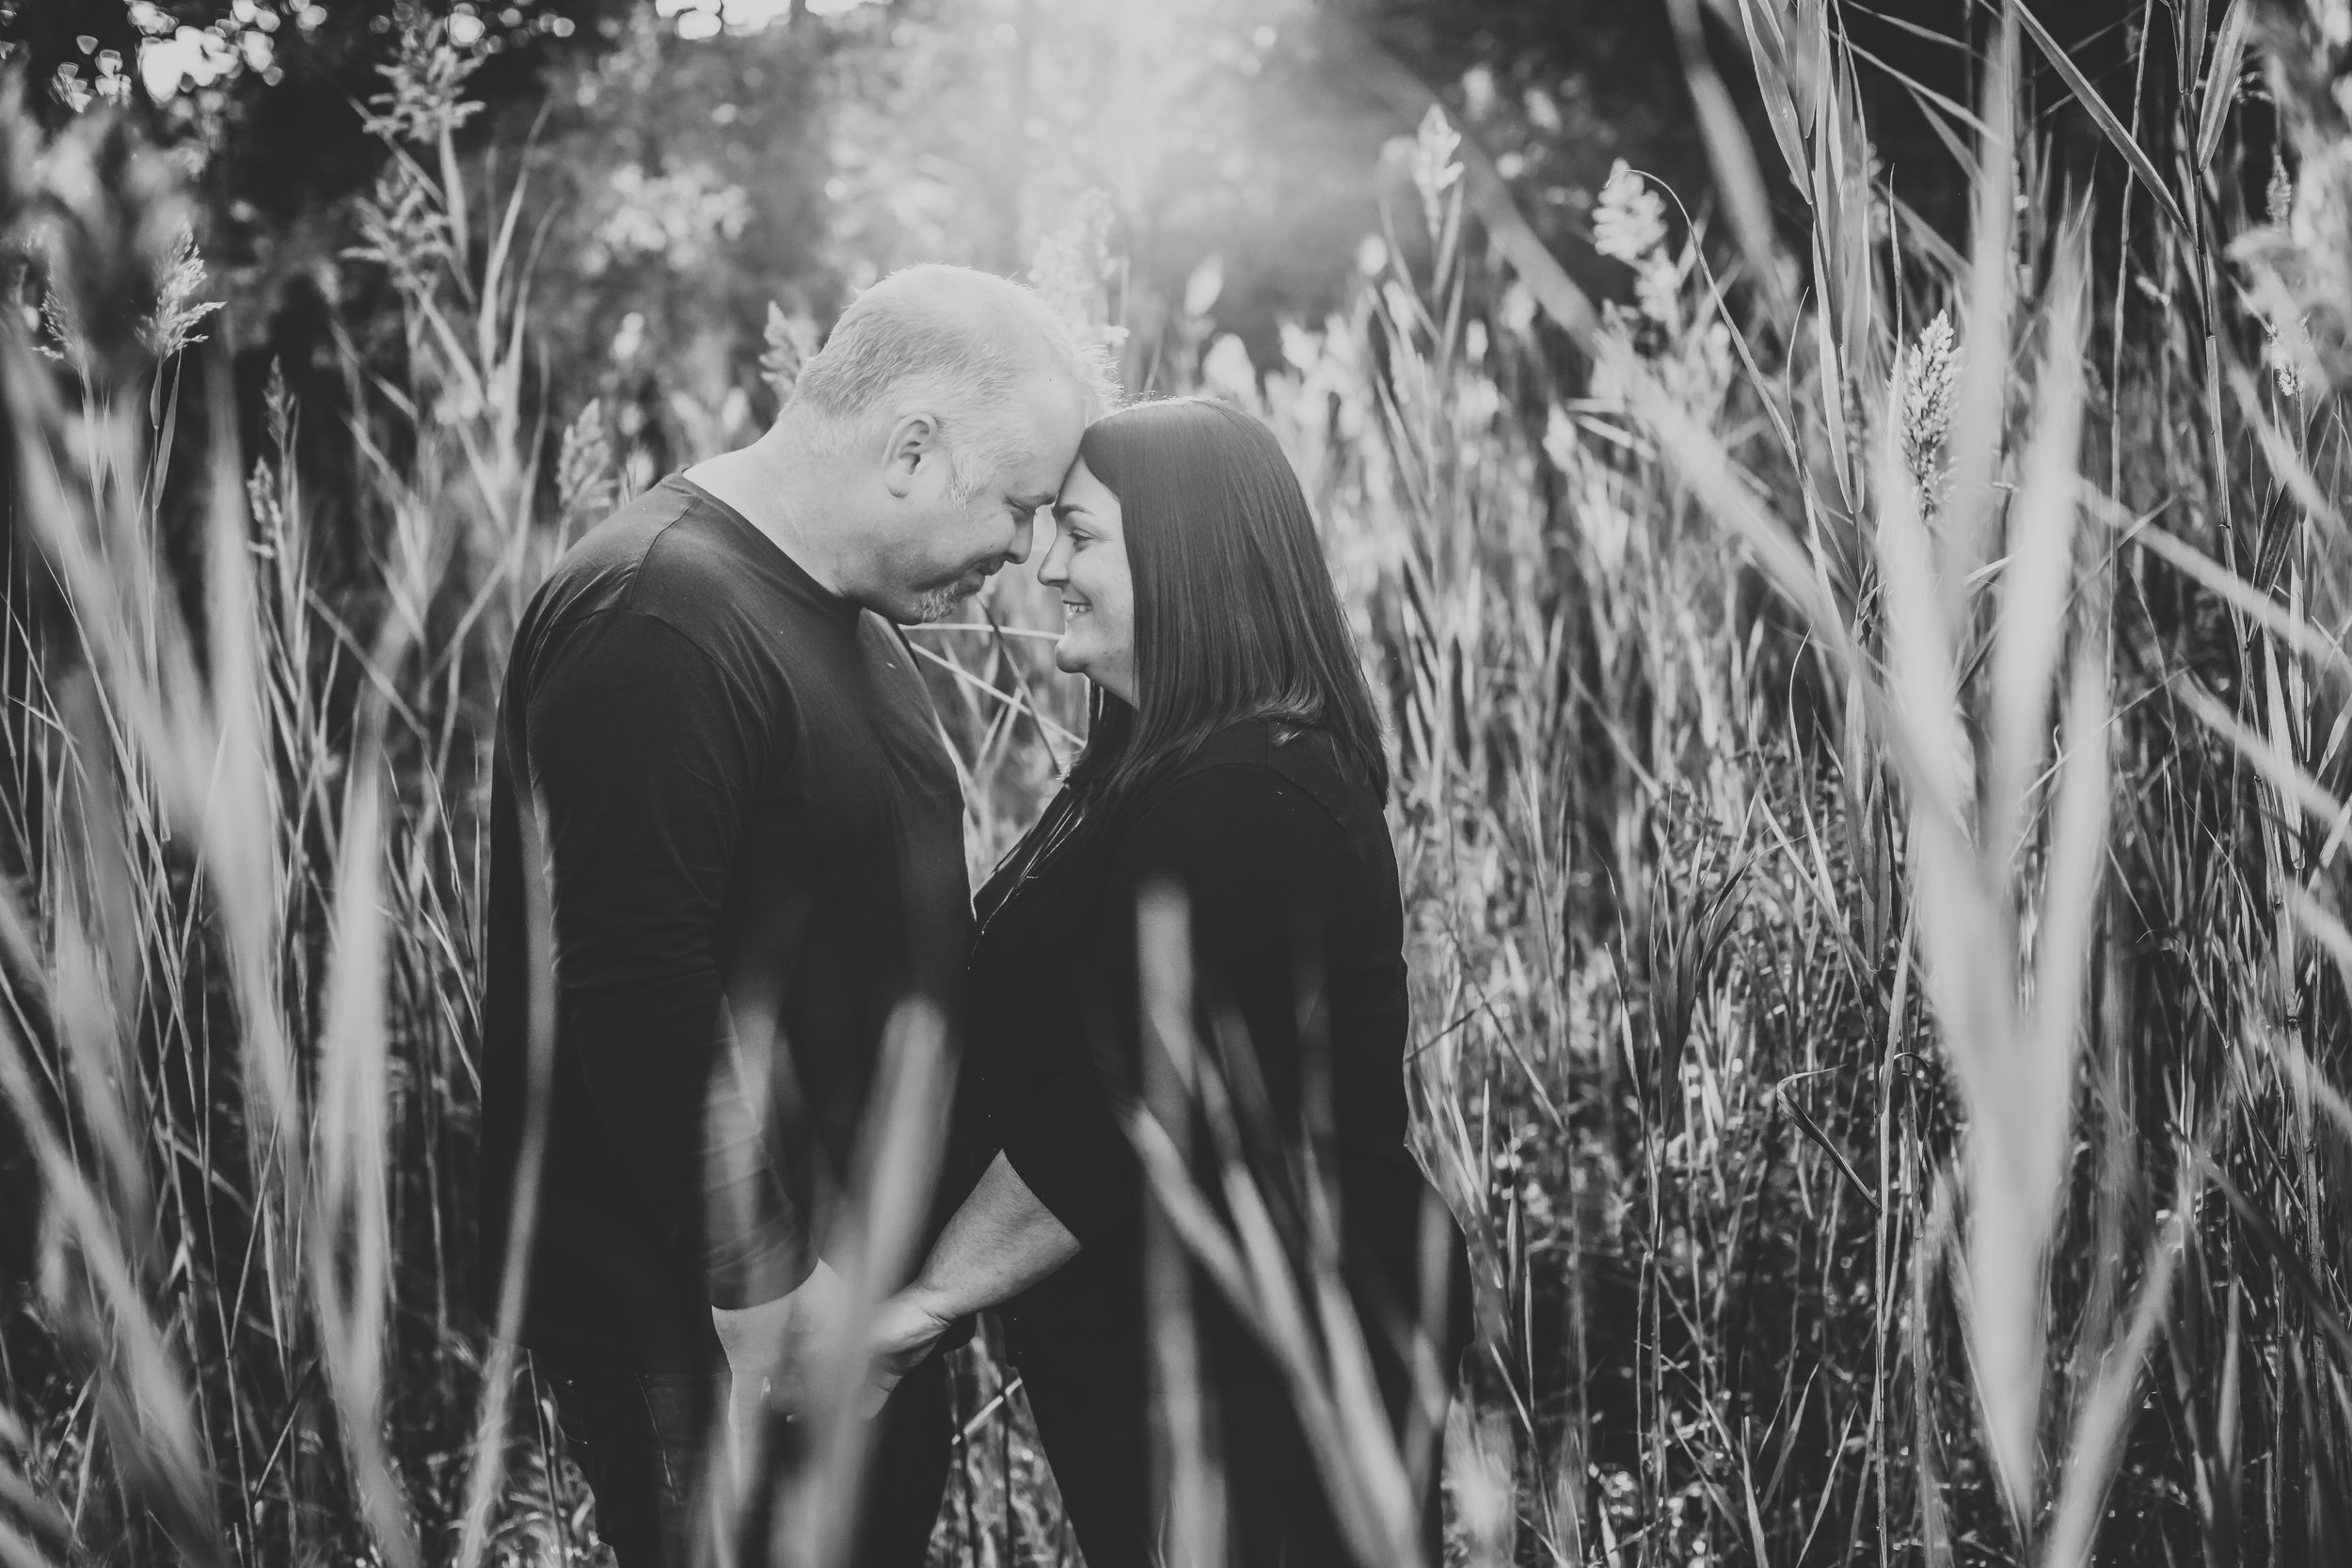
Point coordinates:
[(935, 1301)]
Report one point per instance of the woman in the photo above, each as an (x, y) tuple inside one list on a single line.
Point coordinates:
[(1234, 753)]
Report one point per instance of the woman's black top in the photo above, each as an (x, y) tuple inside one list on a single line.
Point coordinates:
[(1298, 936)]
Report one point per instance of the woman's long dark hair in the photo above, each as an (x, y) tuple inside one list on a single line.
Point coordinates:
[(1236, 615)]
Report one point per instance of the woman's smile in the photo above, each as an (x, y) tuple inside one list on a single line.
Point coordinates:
[(1087, 565)]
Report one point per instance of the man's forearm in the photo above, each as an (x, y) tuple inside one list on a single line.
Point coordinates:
[(1000, 1243)]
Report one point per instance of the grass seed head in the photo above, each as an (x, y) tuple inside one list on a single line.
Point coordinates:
[(423, 98), (1630, 226), (1630, 220), (1071, 270), (583, 470), (2298, 266), (1436, 170), (173, 325), (1926, 376), (122, 269)]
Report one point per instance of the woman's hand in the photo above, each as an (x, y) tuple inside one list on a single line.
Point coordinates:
[(769, 1348), (905, 1328)]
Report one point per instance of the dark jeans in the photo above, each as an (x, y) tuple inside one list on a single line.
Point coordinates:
[(642, 1440)]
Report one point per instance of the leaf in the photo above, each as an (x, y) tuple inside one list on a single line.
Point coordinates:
[(2243, 596), (1737, 175), (2229, 49), (1812, 1130), (1773, 83), (1833, 392), (2268, 755), (2097, 107), (2102, 1420), (2070, 913), (2285, 464), (1922, 689), (1980, 405), (2042, 518), (1849, 162), (2286, 1258)]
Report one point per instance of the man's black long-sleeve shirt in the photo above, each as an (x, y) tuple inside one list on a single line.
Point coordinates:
[(752, 839)]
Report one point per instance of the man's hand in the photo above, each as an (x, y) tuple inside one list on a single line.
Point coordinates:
[(1001, 1242), (769, 1347), (905, 1327)]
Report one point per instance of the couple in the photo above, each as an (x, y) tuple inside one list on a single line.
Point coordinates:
[(727, 848)]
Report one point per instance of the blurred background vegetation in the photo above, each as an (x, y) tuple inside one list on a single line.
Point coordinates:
[(1845, 503), (688, 169)]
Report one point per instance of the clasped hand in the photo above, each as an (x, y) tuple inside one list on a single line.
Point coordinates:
[(904, 1329), (774, 1349)]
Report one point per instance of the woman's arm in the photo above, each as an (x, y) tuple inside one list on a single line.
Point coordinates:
[(999, 1244), (1252, 853)]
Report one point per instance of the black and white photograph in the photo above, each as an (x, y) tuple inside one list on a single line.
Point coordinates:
[(1176, 784)]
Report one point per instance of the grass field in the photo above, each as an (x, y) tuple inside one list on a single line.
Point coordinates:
[(1870, 739)]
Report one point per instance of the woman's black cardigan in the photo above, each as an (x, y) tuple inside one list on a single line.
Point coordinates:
[(1283, 858)]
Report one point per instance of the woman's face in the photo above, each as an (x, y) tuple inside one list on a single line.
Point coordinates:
[(1088, 565)]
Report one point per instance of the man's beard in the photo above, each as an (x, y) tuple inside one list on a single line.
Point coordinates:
[(938, 604)]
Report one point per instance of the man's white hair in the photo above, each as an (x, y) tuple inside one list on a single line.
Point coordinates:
[(949, 341)]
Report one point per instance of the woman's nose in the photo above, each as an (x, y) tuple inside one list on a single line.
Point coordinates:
[(1049, 570)]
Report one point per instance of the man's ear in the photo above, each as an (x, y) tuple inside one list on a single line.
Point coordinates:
[(914, 438)]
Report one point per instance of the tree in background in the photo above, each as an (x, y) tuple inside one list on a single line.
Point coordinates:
[(694, 159)]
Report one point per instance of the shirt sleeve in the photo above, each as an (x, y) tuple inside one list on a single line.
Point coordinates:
[(1252, 857), (645, 756)]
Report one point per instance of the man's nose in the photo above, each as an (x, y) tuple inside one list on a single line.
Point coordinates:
[(1022, 533)]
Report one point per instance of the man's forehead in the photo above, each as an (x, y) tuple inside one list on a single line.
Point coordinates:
[(1058, 403), (1056, 419), (1035, 481)]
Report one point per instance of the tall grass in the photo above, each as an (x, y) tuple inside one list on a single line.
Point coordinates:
[(1871, 774)]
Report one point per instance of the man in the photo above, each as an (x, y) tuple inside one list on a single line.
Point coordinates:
[(723, 811)]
